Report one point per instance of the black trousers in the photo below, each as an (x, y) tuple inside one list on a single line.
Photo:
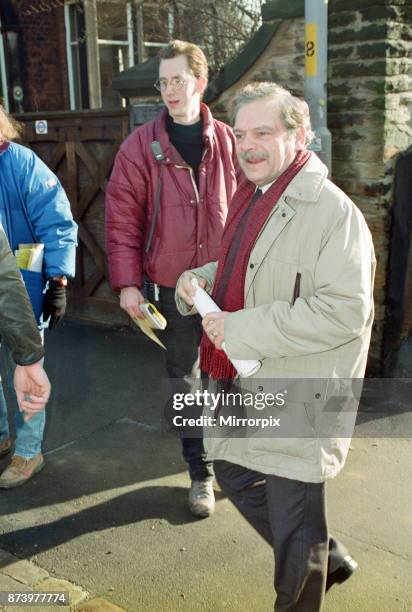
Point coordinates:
[(291, 516), (182, 338)]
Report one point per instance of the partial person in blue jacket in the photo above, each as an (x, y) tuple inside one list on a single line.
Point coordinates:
[(33, 209)]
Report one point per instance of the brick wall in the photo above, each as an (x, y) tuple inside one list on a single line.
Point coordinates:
[(44, 58)]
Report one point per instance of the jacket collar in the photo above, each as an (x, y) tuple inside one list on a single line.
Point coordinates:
[(307, 184), (162, 136)]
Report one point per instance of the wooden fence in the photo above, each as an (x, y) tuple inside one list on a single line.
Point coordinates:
[(80, 148)]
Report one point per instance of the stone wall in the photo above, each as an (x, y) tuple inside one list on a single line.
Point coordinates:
[(370, 104), (369, 110), (282, 61)]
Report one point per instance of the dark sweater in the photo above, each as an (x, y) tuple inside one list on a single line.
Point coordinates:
[(188, 140)]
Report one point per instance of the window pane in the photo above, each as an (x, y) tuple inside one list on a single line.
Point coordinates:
[(112, 20), (76, 77), (113, 59), (157, 23), (76, 14), (78, 55)]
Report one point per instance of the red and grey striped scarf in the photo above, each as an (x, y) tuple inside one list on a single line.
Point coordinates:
[(247, 216)]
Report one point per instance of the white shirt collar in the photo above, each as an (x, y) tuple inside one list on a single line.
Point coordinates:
[(264, 188)]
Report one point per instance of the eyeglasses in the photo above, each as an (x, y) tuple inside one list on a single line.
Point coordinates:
[(175, 83)]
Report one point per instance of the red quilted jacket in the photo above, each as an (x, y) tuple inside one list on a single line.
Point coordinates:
[(190, 221)]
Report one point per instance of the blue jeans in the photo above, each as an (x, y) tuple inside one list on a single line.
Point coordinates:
[(182, 338), (29, 435)]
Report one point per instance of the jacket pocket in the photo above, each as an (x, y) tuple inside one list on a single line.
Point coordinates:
[(295, 436), (34, 282), (296, 289), (310, 412), (277, 281)]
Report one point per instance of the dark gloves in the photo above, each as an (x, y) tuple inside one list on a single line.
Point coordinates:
[(54, 304)]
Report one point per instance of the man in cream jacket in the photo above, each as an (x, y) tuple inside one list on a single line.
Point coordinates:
[(294, 282)]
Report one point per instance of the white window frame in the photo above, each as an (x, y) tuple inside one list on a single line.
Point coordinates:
[(124, 43), (100, 41), (69, 45), (170, 26)]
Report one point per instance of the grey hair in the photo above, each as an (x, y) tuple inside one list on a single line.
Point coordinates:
[(294, 112)]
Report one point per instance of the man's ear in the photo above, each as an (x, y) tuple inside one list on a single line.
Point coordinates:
[(201, 85), (300, 139)]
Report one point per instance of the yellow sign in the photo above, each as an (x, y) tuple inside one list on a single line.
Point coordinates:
[(311, 49)]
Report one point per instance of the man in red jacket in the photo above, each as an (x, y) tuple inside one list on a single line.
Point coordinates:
[(166, 207)]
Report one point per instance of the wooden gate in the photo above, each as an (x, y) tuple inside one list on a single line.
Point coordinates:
[(80, 148)]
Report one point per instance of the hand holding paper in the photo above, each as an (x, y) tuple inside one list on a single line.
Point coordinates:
[(152, 320), (204, 305), (185, 289)]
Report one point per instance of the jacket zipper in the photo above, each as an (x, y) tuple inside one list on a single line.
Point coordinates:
[(192, 178)]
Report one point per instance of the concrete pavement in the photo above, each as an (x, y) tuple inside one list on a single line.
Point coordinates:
[(108, 513)]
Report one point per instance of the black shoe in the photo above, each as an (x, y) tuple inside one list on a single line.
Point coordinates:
[(344, 571)]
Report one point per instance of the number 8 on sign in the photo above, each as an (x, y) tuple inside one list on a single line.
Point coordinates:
[(311, 50)]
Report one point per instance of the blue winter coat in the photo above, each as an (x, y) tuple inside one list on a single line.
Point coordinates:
[(34, 208)]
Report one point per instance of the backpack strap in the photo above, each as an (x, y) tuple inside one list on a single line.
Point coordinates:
[(159, 157)]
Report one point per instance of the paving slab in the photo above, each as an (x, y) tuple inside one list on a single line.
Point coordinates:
[(25, 572), (98, 605)]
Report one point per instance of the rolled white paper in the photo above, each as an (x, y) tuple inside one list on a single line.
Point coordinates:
[(204, 304)]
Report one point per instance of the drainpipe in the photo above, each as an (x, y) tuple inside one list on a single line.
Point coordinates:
[(316, 60)]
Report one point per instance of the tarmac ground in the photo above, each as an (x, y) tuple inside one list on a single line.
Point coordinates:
[(107, 518)]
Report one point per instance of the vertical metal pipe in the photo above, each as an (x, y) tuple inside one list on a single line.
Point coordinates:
[(316, 59)]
